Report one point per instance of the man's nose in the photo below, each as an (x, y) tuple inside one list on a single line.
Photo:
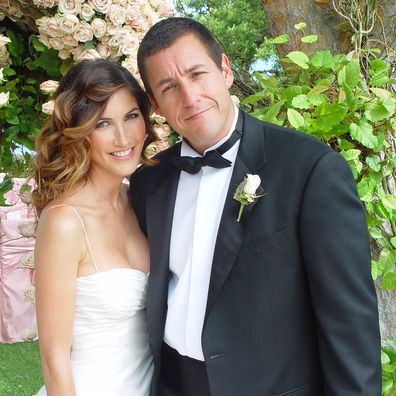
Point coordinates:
[(189, 95)]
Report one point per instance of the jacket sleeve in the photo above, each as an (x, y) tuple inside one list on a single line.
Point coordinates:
[(336, 252)]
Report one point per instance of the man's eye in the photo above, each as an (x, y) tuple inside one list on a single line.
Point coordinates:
[(168, 87)]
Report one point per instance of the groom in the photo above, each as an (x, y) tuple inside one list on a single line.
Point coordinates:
[(278, 303)]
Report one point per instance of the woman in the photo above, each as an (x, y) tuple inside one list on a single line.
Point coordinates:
[(91, 257)]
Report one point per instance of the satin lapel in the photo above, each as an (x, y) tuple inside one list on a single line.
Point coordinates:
[(160, 206), (231, 233)]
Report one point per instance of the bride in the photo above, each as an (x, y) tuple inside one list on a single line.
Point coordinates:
[(91, 258)]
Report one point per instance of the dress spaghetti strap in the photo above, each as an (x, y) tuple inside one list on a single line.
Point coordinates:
[(85, 231)]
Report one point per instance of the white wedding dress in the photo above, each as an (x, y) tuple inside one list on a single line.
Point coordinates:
[(110, 353)]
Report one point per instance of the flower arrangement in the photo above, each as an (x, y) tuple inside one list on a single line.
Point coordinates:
[(111, 29)]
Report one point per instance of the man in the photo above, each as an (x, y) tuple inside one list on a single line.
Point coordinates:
[(278, 303)]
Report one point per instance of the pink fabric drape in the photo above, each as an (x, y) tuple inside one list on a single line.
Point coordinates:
[(17, 309)]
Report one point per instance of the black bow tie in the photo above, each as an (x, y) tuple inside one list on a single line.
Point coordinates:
[(213, 158)]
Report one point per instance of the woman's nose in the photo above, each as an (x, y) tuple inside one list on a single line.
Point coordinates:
[(121, 137)]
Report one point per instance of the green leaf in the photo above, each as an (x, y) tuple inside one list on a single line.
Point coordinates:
[(381, 93), (66, 65), (375, 233), (329, 114), (378, 72), (375, 272), (295, 118), (309, 39), (300, 25), (350, 155), (317, 90), (284, 38), (273, 111), (345, 144), (254, 98), (374, 162), (317, 100), (350, 74), (363, 133), (6, 185), (90, 44), (387, 260), (291, 92), (388, 281), (301, 102), (37, 44), (299, 58), (323, 59), (380, 109), (389, 201), (393, 242)]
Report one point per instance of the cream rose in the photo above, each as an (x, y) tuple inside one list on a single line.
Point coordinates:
[(252, 183), (49, 26), (56, 43), (4, 98), (49, 86), (165, 10), (69, 7), (68, 23), (83, 32), (117, 14), (99, 27), (69, 42), (88, 54), (129, 45), (118, 38), (101, 6), (87, 12), (103, 50), (45, 3), (64, 54), (48, 107), (4, 40)]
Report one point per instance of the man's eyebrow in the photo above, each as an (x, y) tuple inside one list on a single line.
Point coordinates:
[(169, 79)]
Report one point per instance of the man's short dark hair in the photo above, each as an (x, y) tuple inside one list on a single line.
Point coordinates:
[(164, 33)]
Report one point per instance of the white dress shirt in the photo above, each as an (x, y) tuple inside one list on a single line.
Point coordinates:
[(198, 208)]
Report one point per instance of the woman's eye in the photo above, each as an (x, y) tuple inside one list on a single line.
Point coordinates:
[(102, 124), (131, 116)]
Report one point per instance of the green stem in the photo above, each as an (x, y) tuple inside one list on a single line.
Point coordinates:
[(240, 211)]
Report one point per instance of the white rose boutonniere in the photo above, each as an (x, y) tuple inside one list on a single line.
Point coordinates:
[(246, 192)]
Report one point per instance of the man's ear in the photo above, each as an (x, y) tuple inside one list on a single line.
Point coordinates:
[(226, 70)]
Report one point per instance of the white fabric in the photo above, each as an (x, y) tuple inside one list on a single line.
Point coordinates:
[(198, 208), (110, 353)]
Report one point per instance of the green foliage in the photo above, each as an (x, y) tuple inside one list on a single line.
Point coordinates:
[(240, 26), (388, 360), (21, 118), (327, 97)]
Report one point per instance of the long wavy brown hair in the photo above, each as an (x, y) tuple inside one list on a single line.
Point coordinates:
[(63, 145)]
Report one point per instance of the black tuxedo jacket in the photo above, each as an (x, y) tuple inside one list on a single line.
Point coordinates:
[(291, 306)]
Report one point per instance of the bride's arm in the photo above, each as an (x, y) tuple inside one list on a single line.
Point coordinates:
[(58, 252)]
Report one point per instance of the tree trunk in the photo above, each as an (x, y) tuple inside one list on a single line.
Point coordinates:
[(320, 18)]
